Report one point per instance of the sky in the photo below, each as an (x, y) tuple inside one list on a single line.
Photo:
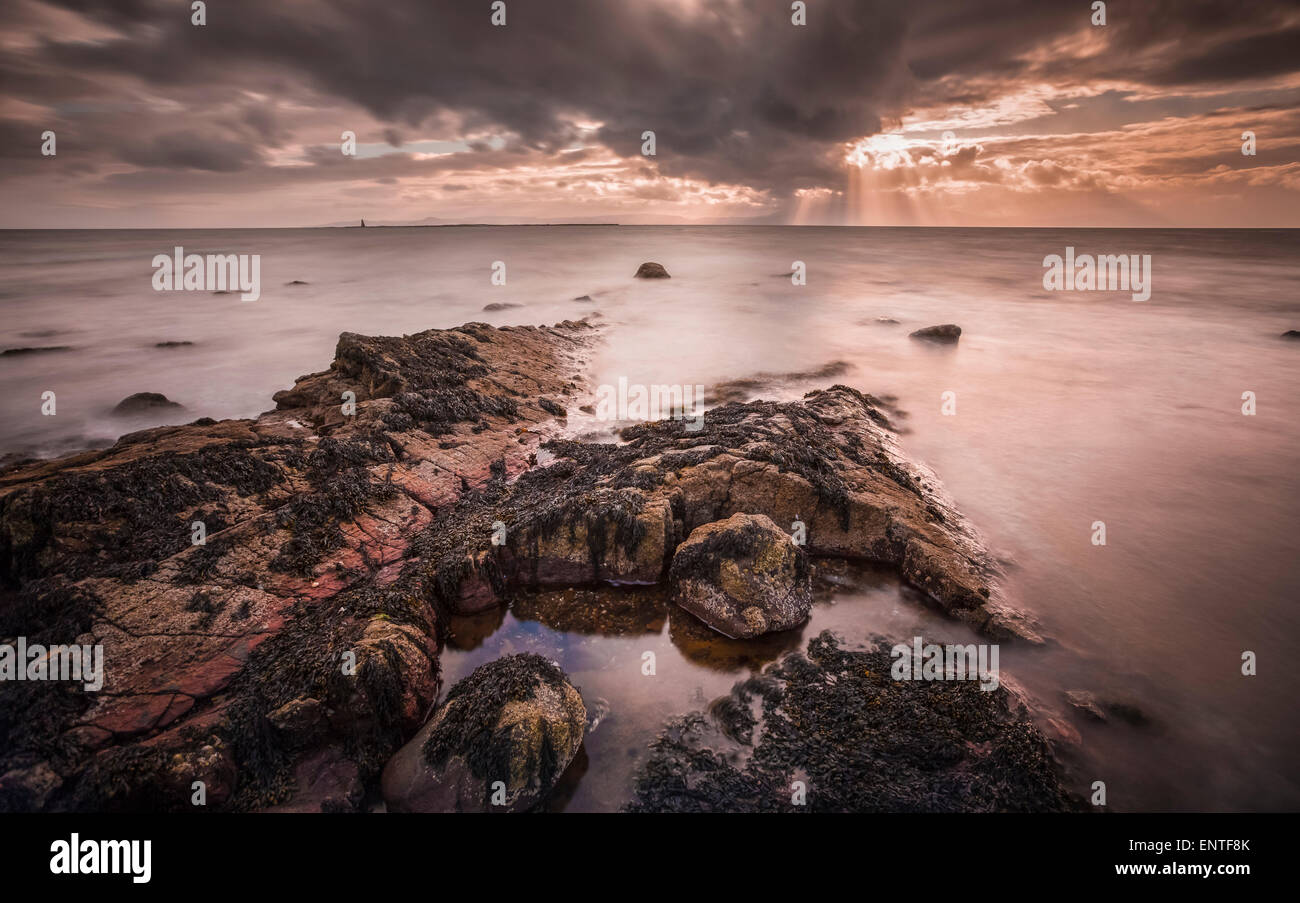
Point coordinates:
[(916, 113)]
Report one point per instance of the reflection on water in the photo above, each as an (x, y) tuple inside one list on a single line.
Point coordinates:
[(601, 638)]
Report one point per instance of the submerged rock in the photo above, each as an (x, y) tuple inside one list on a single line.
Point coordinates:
[(1090, 706), (142, 402), (40, 349), (1127, 711), (949, 332), (858, 740), (1085, 703), (651, 271), (743, 577), (500, 305), (749, 387), (171, 344), (515, 723), (1291, 335)]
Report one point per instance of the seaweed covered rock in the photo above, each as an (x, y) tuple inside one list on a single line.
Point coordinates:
[(499, 742), (858, 740), (601, 536), (398, 675), (651, 270), (743, 577), (606, 513), (230, 570)]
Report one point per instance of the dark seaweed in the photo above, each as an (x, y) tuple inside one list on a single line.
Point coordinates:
[(861, 741)]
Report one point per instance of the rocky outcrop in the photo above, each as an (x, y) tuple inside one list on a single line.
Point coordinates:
[(254, 584), (832, 731), (1292, 335), (742, 576), (1088, 705), (650, 270), (268, 593), (499, 742)]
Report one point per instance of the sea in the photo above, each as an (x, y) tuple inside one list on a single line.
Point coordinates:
[(1171, 420)]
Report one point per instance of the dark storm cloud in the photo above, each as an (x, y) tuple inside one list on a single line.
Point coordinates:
[(1154, 42), (734, 92), (189, 150)]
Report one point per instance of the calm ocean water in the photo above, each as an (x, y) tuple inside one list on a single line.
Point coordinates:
[(1070, 408)]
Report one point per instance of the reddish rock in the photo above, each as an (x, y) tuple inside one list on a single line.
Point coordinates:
[(310, 515)]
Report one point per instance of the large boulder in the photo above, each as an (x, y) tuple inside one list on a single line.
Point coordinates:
[(743, 577), (516, 720), (651, 270), (948, 332)]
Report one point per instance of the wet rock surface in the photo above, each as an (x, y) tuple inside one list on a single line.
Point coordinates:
[(289, 653), (499, 742), (945, 334), (834, 720), (145, 402), (742, 576)]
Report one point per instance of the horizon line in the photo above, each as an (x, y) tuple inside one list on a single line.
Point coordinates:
[(626, 225)]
